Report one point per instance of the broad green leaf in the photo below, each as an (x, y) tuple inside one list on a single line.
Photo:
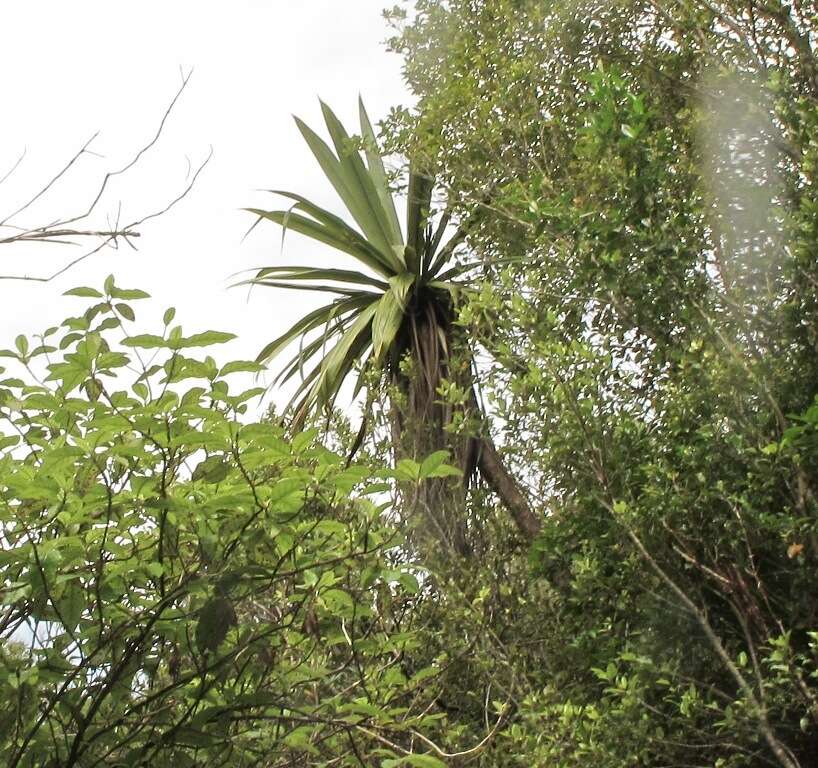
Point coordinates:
[(8, 441), (145, 341), (128, 294), (216, 617), (71, 605), (303, 440), (407, 470), (206, 339), (444, 470), (213, 469), (432, 462), (409, 582), (338, 602), (85, 292), (240, 366)]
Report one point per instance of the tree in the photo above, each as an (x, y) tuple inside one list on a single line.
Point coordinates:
[(181, 585), (655, 348), (399, 310)]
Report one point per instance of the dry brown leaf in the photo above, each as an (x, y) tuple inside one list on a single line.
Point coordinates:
[(794, 550)]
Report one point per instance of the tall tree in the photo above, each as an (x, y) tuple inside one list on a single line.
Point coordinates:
[(653, 165), (396, 316)]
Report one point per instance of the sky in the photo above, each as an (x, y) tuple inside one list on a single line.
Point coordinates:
[(72, 69)]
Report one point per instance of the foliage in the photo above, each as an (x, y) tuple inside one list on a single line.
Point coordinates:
[(180, 585), (635, 183), (397, 330), (645, 176), (405, 305)]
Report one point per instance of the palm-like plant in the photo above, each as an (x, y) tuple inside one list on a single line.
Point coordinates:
[(400, 303)]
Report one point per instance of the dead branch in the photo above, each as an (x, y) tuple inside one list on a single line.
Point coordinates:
[(76, 229)]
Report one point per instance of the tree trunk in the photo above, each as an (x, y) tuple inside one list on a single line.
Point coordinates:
[(435, 507), (505, 486), (421, 422)]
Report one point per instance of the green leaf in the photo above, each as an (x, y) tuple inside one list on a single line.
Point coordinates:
[(206, 339), (444, 470), (145, 341), (424, 761), (8, 441), (71, 605), (127, 293), (338, 602), (85, 292), (337, 226), (311, 273), (417, 761), (213, 469), (342, 357), (192, 737), (432, 462), (300, 738), (409, 582), (378, 173), (125, 311), (216, 617), (339, 236), (241, 366), (407, 470), (386, 324), (381, 232), (323, 316), (344, 178), (401, 285), (303, 440)]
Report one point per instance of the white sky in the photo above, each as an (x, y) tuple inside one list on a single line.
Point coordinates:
[(70, 69)]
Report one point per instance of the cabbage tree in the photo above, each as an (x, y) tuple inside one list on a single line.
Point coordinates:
[(397, 302)]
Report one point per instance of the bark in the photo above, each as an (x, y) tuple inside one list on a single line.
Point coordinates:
[(505, 486), (420, 426), (438, 504)]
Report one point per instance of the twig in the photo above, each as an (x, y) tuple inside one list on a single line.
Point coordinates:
[(61, 231), (13, 167)]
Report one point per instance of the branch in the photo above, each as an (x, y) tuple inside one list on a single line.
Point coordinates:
[(785, 759), (73, 230)]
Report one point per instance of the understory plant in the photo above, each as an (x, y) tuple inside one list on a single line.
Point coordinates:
[(180, 584)]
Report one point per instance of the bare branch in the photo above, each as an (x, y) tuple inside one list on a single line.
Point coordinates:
[(70, 230), (13, 167), (67, 167), (134, 160)]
